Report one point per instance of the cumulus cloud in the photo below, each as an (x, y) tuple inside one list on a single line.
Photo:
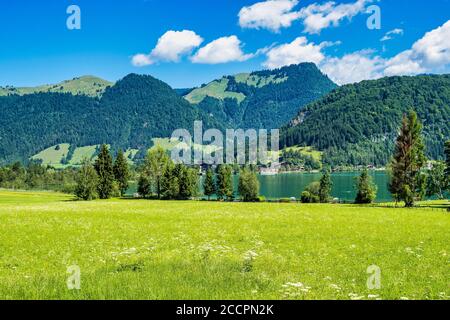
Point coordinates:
[(298, 51), (430, 54), (276, 14), (171, 47), (222, 50), (390, 34), (354, 67), (271, 14), (317, 17)]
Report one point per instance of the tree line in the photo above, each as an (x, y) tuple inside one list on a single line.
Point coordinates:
[(161, 178), (410, 180)]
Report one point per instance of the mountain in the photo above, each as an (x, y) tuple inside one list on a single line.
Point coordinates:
[(357, 124), (262, 99), (86, 85), (128, 115)]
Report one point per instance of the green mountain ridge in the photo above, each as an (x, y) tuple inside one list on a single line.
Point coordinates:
[(128, 115), (357, 124), (86, 85), (265, 99)]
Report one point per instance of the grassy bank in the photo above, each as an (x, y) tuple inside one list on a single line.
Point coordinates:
[(137, 249)]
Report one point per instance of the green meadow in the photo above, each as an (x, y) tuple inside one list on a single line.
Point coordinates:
[(141, 249)]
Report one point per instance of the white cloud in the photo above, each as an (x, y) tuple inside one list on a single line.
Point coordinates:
[(429, 54), (403, 65), (354, 67), (317, 17), (390, 35), (222, 50), (271, 14), (141, 60), (298, 51), (276, 14), (171, 47)]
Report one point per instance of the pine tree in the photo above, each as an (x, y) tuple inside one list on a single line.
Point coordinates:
[(209, 185), (248, 185), (224, 182), (87, 179), (104, 167), (155, 166), (121, 172), (367, 190), (325, 187), (407, 182)]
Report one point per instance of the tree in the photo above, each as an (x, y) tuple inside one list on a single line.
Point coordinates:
[(407, 182), (209, 185), (155, 166), (144, 185), (104, 167), (248, 187), (224, 182), (447, 156), (169, 187), (367, 190), (311, 193), (325, 187), (187, 182), (121, 172), (87, 180), (437, 181)]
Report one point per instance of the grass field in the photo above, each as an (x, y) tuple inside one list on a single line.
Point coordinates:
[(138, 249)]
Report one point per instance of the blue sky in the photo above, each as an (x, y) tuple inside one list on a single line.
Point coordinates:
[(37, 47)]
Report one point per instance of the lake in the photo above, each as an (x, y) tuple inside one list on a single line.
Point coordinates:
[(287, 185)]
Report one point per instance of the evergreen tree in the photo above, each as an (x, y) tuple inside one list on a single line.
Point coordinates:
[(155, 166), (224, 182), (121, 172), (325, 187), (104, 167), (248, 185), (367, 190), (87, 180), (169, 187), (209, 185), (407, 182)]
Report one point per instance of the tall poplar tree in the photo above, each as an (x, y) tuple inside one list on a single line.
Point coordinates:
[(155, 166)]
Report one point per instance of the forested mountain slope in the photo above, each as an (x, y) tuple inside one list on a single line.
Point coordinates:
[(262, 99), (357, 124), (130, 113)]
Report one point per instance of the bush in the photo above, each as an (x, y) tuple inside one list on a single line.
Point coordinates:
[(261, 199), (311, 193)]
